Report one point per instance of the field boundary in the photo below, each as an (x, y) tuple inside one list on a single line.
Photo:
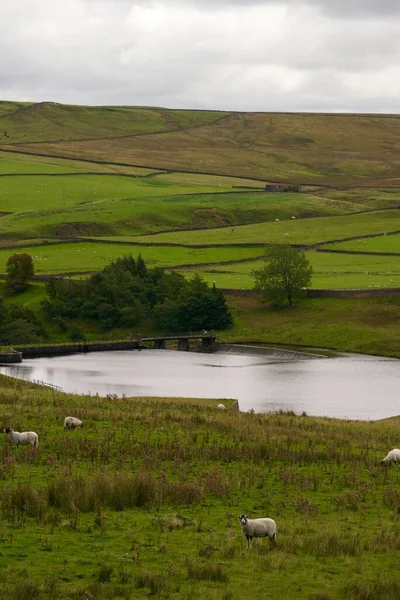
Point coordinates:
[(329, 293), (366, 253)]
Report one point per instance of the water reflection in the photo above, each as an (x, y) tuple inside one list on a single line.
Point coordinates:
[(355, 387)]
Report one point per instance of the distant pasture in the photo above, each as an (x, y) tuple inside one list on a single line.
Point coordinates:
[(14, 163), (86, 256), (30, 193), (122, 206), (331, 271), (304, 231), (214, 264), (383, 243), (372, 197)]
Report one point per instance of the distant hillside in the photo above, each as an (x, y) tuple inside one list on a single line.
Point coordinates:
[(326, 149)]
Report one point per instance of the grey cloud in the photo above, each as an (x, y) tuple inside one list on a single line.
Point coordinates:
[(264, 55), (342, 8)]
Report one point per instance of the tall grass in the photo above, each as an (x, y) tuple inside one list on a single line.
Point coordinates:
[(145, 500)]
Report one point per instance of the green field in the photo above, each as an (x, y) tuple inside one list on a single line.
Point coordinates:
[(144, 502), (382, 243), (363, 325), (36, 194), (150, 205), (86, 256), (304, 231), (213, 180), (331, 271), (24, 164)]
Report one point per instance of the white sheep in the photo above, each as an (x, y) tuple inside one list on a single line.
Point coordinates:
[(393, 456), (72, 423), (23, 438), (221, 406), (257, 528)]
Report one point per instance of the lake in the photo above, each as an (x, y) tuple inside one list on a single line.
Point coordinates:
[(347, 386)]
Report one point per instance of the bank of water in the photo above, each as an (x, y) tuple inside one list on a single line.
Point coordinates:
[(348, 386)]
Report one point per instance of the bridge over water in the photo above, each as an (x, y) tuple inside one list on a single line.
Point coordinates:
[(205, 341)]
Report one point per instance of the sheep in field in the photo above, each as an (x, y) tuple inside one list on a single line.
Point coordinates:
[(72, 423), (257, 528), (393, 456), (221, 406), (23, 438)]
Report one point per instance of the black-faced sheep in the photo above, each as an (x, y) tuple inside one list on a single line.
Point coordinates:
[(264, 527), (72, 423), (23, 438)]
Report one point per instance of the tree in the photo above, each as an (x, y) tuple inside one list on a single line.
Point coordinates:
[(283, 279), (196, 307), (19, 270), (127, 293), (19, 325)]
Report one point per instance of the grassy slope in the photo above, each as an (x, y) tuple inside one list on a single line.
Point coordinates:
[(38, 194), (53, 121), (370, 326), (8, 107), (305, 231), (387, 243), (127, 206), (367, 197), (316, 148), (144, 501), (355, 149), (84, 257), (12, 164)]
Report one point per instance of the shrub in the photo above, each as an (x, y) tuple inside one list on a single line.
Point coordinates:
[(155, 583), (379, 589), (20, 502), (104, 574), (206, 571)]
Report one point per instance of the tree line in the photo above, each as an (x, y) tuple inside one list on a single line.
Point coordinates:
[(128, 294)]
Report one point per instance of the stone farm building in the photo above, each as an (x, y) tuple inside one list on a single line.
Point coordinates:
[(283, 187)]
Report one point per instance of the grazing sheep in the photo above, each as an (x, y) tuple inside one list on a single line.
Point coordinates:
[(221, 406), (72, 423), (393, 456), (25, 437), (257, 528)]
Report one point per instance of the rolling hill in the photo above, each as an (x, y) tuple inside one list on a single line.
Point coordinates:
[(320, 149)]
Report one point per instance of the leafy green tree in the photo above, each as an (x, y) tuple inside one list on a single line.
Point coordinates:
[(20, 270), (19, 325), (283, 279), (196, 307), (127, 293)]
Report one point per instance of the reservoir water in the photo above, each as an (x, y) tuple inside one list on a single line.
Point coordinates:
[(347, 386)]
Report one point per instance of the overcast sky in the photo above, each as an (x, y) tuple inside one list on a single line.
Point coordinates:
[(249, 55)]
